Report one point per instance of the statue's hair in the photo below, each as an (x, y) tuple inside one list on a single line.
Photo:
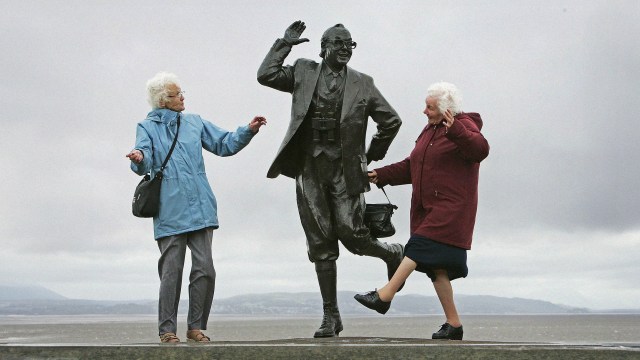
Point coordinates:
[(448, 97), (157, 88), (325, 38)]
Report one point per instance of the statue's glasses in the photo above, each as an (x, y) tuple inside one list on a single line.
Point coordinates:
[(339, 44)]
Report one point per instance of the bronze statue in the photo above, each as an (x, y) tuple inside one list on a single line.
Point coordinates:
[(324, 151)]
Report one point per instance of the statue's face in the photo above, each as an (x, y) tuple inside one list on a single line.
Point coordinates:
[(338, 48)]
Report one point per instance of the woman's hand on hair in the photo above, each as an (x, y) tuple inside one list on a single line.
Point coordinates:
[(448, 118)]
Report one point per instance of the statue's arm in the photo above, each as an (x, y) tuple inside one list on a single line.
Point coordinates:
[(272, 73), (387, 121)]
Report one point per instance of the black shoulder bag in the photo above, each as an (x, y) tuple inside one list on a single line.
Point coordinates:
[(377, 217), (146, 198)]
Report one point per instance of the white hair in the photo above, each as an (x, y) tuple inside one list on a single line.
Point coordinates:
[(157, 88), (448, 97)]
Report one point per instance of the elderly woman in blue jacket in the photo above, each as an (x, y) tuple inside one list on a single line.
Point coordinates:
[(188, 209)]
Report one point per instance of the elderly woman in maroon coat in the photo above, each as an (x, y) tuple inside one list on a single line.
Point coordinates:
[(443, 172)]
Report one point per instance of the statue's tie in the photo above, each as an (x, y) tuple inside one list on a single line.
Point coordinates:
[(334, 82)]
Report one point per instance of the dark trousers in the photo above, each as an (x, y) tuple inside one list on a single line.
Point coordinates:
[(328, 214)]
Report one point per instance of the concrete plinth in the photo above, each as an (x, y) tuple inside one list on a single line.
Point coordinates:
[(336, 348)]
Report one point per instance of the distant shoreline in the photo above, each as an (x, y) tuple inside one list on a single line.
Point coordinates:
[(15, 300)]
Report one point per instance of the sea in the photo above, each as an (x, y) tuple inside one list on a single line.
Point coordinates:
[(581, 329)]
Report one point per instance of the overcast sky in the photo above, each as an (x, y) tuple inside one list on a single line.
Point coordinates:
[(554, 81)]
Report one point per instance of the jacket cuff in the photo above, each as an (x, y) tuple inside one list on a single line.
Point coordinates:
[(455, 130), (281, 44), (245, 131), (377, 149), (285, 42), (382, 174)]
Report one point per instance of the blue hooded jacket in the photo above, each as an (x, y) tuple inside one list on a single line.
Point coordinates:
[(186, 200)]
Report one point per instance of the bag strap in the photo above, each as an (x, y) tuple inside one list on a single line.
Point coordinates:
[(385, 194), (173, 145)]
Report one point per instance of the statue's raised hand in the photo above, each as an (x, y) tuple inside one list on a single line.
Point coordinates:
[(293, 32)]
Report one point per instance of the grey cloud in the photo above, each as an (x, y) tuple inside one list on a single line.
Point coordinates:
[(555, 83)]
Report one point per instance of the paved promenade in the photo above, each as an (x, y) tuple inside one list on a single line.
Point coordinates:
[(337, 348)]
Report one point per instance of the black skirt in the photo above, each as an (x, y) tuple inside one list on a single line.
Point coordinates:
[(432, 255)]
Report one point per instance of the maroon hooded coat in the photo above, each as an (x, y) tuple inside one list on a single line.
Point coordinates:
[(443, 171)]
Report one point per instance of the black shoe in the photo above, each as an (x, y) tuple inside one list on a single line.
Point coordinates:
[(331, 323), (448, 332), (373, 302), (393, 264)]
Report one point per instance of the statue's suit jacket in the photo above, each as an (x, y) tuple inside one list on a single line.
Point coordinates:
[(361, 101)]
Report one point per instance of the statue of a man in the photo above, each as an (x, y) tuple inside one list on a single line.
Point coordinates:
[(324, 151)]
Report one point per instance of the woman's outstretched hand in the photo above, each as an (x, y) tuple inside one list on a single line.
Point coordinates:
[(256, 123), (136, 156)]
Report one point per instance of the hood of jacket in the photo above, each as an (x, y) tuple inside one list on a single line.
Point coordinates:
[(475, 117), (162, 115)]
